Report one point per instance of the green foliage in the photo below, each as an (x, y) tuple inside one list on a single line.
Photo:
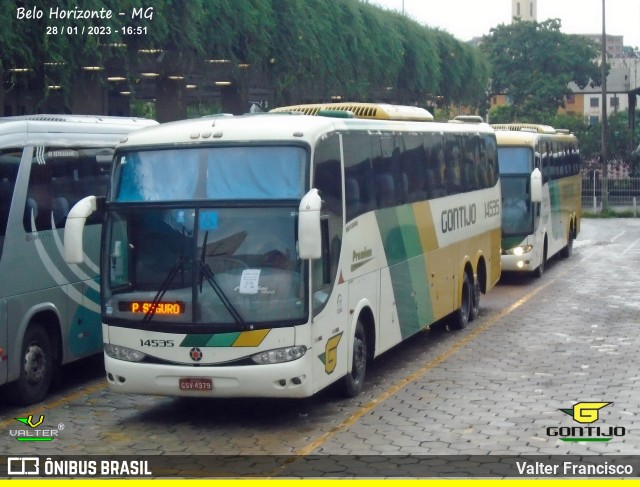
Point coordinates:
[(534, 62), (619, 139), (502, 114), (306, 50), (143, 109)]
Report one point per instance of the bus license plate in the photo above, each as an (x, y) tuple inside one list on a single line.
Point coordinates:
[(195, 384)]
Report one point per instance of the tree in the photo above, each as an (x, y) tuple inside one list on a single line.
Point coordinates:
[(300, 50), (534, 62)]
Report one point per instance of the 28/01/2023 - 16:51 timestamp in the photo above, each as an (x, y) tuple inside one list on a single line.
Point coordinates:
[(127, 30)]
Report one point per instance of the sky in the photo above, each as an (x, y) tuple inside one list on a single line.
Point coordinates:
[(466, 19)]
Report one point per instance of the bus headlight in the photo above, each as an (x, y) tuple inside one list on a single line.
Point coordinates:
[(523, 249), (123, 353), (279, 355)]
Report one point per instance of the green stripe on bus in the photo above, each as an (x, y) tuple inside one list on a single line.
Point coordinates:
[(210, 340), (409, 279), (404, 301), (555, 202), (391, 236), (409, 230), (223, 340), (196, 340)]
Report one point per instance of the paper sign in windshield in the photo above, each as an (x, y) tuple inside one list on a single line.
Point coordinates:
[(249, 281)]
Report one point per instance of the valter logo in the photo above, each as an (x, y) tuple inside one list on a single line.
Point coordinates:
[(585, 413), (33, 433)]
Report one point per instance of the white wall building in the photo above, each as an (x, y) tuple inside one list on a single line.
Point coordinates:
[(526, 10)]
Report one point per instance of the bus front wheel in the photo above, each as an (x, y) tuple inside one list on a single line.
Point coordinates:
[(36, 368), (353, 381), (543, 262)]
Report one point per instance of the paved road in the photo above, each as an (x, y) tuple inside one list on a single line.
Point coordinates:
[(495, 388)]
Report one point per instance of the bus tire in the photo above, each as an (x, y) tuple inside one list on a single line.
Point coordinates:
[(539, 272), (475, 301), (36, 368), (568, 249), (462, 314), (354, 380)]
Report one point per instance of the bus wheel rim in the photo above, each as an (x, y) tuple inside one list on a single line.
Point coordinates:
[(35, 364)]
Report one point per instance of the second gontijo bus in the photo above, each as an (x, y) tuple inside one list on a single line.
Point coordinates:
[(541, 194), (275, 254)]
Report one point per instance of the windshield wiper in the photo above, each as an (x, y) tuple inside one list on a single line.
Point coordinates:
[(163, 289), (211, 279)]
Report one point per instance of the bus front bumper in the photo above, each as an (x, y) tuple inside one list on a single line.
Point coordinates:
[(287, 379)]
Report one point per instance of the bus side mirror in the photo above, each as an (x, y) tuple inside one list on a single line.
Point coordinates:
[(74, 228), (309, 230), (536, 186)]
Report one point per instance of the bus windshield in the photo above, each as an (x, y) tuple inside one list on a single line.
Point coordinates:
[(517, 218), (207, 265), (218, 244), (516, 164), (208, 173), (515, 160)]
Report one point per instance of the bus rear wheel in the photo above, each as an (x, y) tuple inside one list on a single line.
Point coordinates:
[(568, 249), (462, 315), (354, 380), (36, 368), (475, 301)]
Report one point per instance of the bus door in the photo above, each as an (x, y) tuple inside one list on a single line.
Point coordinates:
[(329, 300)]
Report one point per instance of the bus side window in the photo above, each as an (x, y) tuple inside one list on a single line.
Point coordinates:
[(414, 168), (470, 162), (390, 182), (9, 163), (358, 175), (489, 161), (60, 177), (435, 182), (453, 172), (37, 209), (546, 162)]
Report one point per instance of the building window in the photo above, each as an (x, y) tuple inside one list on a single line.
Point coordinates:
[(614, 102), (518, 9), (594, 120), (571, 98), (531, 9), (594, 102)]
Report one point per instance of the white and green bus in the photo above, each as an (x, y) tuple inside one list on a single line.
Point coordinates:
[(49, 311), (274, 254), (541, 194)]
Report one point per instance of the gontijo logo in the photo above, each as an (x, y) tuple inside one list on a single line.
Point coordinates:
[(585, 413), (33, 433)]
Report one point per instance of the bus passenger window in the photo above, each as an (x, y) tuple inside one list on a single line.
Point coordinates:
[(358, 174), (453, 170), (414, 168)]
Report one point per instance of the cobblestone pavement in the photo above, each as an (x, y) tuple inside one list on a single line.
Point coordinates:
[(538, 346)]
